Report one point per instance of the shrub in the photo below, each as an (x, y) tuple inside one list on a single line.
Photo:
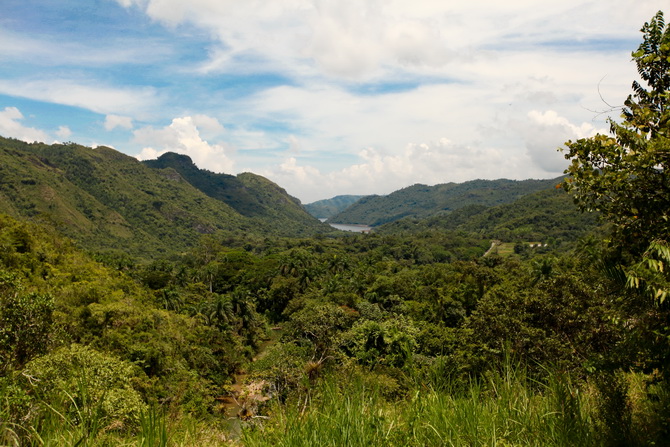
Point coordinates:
[(84, 382)]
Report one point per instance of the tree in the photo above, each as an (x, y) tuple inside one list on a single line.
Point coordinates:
[(26, 321), (625, 176)]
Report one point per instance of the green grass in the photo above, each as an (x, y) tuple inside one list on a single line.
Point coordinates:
[(504, 249), (505, 409), (502, 409)]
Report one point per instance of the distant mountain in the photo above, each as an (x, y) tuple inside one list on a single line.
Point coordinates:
[(539, 216), (423, 201), (323, 209), (103, 198)]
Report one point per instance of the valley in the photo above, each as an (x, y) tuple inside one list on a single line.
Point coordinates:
[(156, 303), (177, 300)]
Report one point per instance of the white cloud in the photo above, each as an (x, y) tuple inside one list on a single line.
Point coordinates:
[(63, 132), (545, 132), (355, 39), (10, 126), (183, 136), (114, 121), (362, 38), (53, 50), (88, 95), (207, 125)]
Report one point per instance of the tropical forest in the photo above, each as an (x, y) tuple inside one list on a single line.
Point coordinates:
[(155, 303)]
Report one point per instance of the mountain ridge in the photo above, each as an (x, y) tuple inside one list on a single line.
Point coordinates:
[(548, 214), (103, 198), (249, 194), (323, 209), (422, 200)]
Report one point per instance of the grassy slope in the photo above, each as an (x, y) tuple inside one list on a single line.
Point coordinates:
[(105, 199)]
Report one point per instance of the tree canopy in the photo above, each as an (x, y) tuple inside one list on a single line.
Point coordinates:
[(625, 176)]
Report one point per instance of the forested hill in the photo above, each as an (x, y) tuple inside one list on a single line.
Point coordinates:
[(103, 198), (423, 201), (545, 215), (249, 194), (323, 209)]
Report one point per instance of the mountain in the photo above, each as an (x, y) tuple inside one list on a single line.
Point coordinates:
[(423, 201), (323, 209), (539, 216), (102, 198), (248, 194)]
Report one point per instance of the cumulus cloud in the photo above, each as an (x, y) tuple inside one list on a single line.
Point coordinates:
[(183, 136), (544, 132), (63, 132), (492, 133), (10, 126), (207, 125), (114, 121)]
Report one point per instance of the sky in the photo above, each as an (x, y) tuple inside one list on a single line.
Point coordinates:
[(323, 97)]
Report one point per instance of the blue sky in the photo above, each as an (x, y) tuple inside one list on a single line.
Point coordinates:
[(324, 97)]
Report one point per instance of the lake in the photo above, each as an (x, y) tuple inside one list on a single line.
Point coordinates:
[(349, 227), (354, 228)]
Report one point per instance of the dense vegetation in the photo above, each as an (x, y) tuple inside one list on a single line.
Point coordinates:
[(423, 201), (253, 196), (102, 198), (546, 216), (416, 335)]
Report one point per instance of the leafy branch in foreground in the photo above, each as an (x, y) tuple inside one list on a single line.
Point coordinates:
[(625, 176)]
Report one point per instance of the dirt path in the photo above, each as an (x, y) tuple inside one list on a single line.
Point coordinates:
[(494, 244)]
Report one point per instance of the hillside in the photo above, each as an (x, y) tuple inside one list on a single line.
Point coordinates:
[(543, 215), (323, 209), (103, 198), (424, 201), (249, 194)]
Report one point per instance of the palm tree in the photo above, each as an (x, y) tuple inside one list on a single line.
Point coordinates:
[(221, 313)]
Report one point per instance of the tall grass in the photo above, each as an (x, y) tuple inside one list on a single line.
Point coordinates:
[(329, 417), (153, 429), (505, 409), (75, 417)]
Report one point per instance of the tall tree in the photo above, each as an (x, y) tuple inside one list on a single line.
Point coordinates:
[(625, 176)]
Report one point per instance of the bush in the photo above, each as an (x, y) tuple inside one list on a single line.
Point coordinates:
[(26, 320), (386, 343), (80, 381)]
